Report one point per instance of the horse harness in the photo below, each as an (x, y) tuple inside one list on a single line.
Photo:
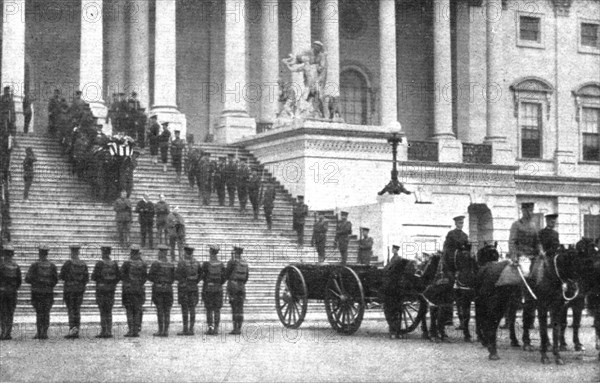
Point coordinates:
[(565, 285)]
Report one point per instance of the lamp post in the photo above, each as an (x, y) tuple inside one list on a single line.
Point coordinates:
[(394, 186)]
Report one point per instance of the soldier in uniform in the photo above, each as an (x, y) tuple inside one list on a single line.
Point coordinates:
[(191, 162), (153, 134), (236, 275), (145, 209), (319, 236), (53, 112), (231, 178), (269, 204), (122, 207), (163, 143), (219, 180), (28, 171), (134, 275), (188, 275), (548, 236), (162, 213), (203, 178), (27, 111), (213, 274), (242, 179), (7, 113), (342, 236), (254, 189), (10, 281), (106, 274), (177, 154), (43, 277), (365, 247), (523, 241), (162, 275), (76, 276), (456, 239), (176, 231), (300, 212)]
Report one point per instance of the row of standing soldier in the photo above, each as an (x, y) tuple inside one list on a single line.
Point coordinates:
[(43, 277)]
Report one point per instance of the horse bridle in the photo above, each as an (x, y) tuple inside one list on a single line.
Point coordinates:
[(563, 283)]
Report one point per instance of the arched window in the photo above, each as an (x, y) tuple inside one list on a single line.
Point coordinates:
[(587, 100), (353, 97)]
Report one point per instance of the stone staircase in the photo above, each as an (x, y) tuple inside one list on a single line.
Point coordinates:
[(61, 211)]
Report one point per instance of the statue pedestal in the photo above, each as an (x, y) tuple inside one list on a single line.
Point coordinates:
[(234, 128)]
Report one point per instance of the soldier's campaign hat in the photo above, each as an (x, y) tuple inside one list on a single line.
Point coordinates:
[(459, 218), (105, 249), (344, 214), (552, 216), (238, 250), (395, 247), (214, 248), (188, 249), (527, 205), (163, 247), (134, 248)]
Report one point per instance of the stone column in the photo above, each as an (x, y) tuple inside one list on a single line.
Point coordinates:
[(13, 54), (301, 34), (270, 61), (165, 67), (330, 26), (115, 12), (449, 149), (139, 61), (235, 122), (501, 152), (387, 57), (91, 67)]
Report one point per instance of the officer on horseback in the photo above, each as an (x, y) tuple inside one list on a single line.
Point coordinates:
[(548, 236)]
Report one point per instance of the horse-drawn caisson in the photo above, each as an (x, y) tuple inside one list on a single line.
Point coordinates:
[(346, 291)]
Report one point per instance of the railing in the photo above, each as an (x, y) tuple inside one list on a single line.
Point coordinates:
[(423, 151), (262, 127), (477, 153)]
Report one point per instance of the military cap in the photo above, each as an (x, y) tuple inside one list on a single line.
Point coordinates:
[(75, 246), (365, 228), (163, 247), (8, 250), (238, 250), (78, 93), (134, 248), (44, 248), (552, 216), (395, 247), (214, 248), (105, 249), (459, 218), (527, 205), (300, 197), (177, 131), (165, 124), (134, 94), (318, 43), (7, 88), (344, 214), (188, 249)]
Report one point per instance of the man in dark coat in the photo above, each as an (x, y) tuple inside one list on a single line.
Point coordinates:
[(548, 236), (236, 274), (122, 208), (162, 211), (269, 204), (176, 232), (191, 163), (319, 236), (76, 276), (300, 212), (188, 275), (177, 154), (134, 273), (43, 277), (242, 179), (162, 275), (145, 209), (153, 134), (203, 176), (456, 239), (231, 178), (28, 171), (365, 247), (254, 189), (8, 115), (219, 180), (53, 112), (213, 274), (164, 139), (106, 274), (342, 236), (10, 281)]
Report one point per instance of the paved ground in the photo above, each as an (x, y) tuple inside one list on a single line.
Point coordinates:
[(267, 352)]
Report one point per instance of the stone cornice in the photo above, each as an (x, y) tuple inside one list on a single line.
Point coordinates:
[(564, 186)]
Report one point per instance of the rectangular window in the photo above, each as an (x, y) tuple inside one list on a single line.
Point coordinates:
[(531, 129), (589, 35), (590, 128), (529, 28), (591, 226)]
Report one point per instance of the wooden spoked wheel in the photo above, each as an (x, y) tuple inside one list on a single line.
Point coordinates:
[(344, 300), (291, 297), (403, 316)]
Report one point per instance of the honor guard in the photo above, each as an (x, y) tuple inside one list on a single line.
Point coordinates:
[(269, 204), (319, 236), (122, 208), (10, 281), (242, 179), (300, 212), (237, 276), (254, 190), (43, 277), (76, 276), (163, 143), (188, 276), (365, 247), (231, 178), (203, 174), (177, 147), (106, 274), (153, 133), (162, 275), (134, 276), (213, 273), (219, 180), (342, 236), (162, 211), (548, 236)]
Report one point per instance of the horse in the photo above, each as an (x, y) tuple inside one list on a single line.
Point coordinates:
[(465, 268), (438, 295)]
